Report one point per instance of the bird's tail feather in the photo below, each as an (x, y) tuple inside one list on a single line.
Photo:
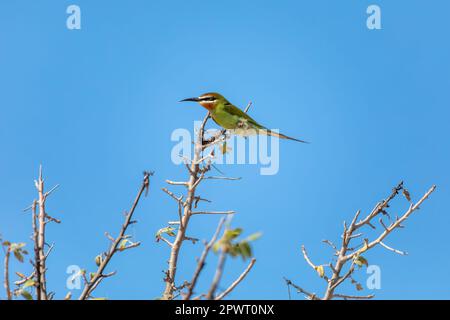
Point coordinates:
[(282, 136)]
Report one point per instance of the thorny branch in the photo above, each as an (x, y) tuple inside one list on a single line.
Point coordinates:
[(118, 244), (346, 254), (197, 168), (40, 218)]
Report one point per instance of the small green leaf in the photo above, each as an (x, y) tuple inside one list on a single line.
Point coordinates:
[(320, 271), (216, 246), (123, 244), (234, 251), (18, 255), (17, 246), (360, 261), (245, 249), (26, 295), (407, 195), (167, 230), (231, 234), (254, 236), (98, 260), (28, 283)]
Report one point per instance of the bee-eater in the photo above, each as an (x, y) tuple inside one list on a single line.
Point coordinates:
[(231, 117)]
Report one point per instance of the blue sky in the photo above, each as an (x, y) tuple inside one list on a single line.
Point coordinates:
[(97, 106)]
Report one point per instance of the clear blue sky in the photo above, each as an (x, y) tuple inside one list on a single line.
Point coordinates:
[(97, 106)]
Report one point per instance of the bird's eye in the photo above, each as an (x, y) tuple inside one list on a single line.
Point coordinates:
[(208, 99)]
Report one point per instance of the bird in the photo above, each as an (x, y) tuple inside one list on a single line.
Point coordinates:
[(230, 117)]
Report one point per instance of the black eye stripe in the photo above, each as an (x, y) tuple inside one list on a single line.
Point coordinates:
[(208, 99)]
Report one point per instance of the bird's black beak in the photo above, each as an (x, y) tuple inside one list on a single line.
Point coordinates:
[(190, 99)]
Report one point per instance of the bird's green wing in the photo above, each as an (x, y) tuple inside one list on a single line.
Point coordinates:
[(235, 111), (245, 118)]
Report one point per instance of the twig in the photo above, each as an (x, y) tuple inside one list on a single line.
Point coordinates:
[(201, 262), (305, 255), (40, 218), (237, 281), (217, 276), (310, 296), (212, 212), (222, 178), (22, 281), (248, 107), (6, 273), (403, 253), (170, 244), (177, 183), (40, 259), (36, 264), (345, 297), (331, 244), (380, 206), (114, 248)]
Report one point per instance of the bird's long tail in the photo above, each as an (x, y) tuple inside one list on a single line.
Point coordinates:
[(282, 136)]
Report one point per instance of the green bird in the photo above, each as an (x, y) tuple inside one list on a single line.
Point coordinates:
[(231, 117)]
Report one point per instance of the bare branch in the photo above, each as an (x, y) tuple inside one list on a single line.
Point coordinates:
[(237, 281), (177, 183), (115, 246), (6, 273), (201, 262), (347, 297), (185, 215), (40, 219), (217, 276), (380, 206), (172, 195), (331, 244), (212, 212), (305, 255), (198, 166), (310, 296), (403, 253), (345, 253), (248, 107), (396, 224), (170, 244), (222, 178)]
